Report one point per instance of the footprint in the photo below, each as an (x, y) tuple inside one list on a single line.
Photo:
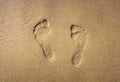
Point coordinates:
[(78, 34), (40, 31)]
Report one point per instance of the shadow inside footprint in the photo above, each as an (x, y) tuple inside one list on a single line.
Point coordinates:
[(78, 33), (76, 56), (41, 29), (48, 51)]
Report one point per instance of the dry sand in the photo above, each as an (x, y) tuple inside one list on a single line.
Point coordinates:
[(59, 40)]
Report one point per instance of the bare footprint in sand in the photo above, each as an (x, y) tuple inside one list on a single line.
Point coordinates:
[(78, 34), (41, 30)]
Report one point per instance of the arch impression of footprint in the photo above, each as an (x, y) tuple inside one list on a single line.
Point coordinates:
[(42, 30), (78, 34)]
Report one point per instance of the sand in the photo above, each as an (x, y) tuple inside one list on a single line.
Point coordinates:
[(59, 40)]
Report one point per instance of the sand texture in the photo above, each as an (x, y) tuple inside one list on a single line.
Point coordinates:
[(59, 40)]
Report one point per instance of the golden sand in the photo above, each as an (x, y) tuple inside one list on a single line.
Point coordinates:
[(59, 40)]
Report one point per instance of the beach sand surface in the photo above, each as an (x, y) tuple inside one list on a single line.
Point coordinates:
[(59, 40)]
